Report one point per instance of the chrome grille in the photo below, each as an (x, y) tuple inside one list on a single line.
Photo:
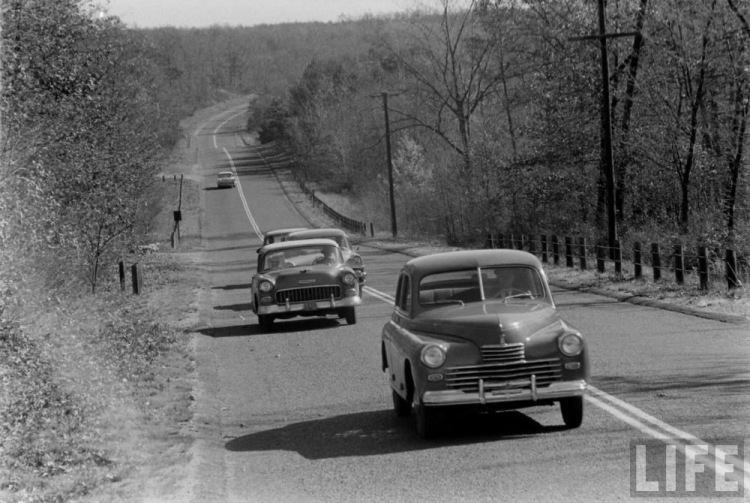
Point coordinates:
[(504, 353), (308, 294), (467, 378)]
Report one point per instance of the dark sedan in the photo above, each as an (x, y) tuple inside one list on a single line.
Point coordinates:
[(479, 329)]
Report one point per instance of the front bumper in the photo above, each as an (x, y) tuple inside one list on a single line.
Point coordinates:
[(503, 394), (311, 307)]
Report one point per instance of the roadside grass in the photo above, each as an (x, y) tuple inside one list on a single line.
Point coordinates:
[(94, 389), (87, 384)]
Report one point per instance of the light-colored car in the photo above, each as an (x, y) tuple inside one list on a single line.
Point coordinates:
[(278, 235), (351, 257), (303, 278), (226, 179), (479, 330)]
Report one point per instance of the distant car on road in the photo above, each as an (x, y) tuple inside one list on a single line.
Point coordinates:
[(351, 257), (303, 278), (226, 179), (479, 330)]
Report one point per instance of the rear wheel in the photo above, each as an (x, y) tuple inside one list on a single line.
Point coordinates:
[(265, 321), (572, 411)]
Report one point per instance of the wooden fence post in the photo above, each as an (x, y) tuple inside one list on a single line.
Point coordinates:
[(545, 258), (137, 279), (532, 244), (601, 255), (637, 260), (568, 251), (555, 250), (703, 267), (582, 253), (656, 261), (121, 268), (679, 264), (731, 268)]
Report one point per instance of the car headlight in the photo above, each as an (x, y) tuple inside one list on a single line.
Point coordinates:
[(348, 278), (571, 344), (355, 260), (265, 286), (433, 356)]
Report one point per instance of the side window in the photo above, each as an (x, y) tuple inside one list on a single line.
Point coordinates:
[(407, 295), (403, 294)]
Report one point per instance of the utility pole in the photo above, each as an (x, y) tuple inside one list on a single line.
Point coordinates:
[(606, 118), (394, 227)]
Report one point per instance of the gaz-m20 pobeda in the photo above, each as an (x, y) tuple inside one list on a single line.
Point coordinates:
[(479, 329)]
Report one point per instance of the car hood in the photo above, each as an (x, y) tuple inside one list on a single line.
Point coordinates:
[(480, 322)]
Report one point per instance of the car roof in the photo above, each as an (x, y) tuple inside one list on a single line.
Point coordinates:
[(297, 244), (276, 232), (313, 233), (469, 259)]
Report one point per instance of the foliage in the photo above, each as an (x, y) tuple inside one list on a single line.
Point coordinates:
[(530, 159), (59, 390), (83, 133)]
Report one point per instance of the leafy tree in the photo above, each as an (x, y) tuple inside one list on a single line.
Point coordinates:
[(82, 133)]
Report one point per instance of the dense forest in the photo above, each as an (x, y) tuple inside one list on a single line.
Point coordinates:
[(494, 111)]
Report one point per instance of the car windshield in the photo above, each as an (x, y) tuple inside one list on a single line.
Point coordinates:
[(468, 285), (225, 175), (301, 256)]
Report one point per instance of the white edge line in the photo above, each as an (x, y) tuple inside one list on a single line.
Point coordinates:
[(242, 196), (224, 122), (744, 466)]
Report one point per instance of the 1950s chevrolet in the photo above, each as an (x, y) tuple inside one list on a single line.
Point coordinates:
[(480, 329), (303, 278)]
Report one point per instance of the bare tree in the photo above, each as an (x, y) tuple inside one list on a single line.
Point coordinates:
[(450, 58)]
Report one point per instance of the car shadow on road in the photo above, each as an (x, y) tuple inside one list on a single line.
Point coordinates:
[(243, 306), (381, 432), (232, 331), (241, 286), (279, 327)]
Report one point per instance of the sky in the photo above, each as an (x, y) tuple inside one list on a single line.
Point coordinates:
[(201, 13)]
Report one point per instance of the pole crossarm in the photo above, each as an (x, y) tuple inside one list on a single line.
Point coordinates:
[(605, 36), (607, 154)]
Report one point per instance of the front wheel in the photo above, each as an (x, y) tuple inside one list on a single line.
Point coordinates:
[(427, 418), (401, 407), (351, 315), (572, 411)]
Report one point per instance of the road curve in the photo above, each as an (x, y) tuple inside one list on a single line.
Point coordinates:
[(303, 413)]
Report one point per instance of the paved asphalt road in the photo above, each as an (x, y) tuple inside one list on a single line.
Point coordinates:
[(304, 414)]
